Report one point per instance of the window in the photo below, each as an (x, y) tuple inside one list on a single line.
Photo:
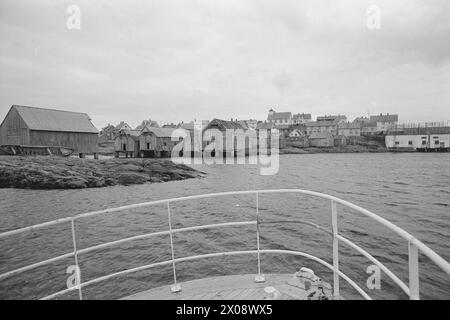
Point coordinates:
[(124, 147), (148, 145), (396, 142), (410, 142), (424, 142), (436, 142)]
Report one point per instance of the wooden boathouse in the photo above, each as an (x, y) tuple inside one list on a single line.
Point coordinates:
[(127, 143), (39, 127), (156, 142), (150, 141)]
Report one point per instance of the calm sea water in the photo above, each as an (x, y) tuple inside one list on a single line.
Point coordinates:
[(411, 190)]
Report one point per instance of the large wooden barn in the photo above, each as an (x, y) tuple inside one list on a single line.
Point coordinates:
[(30, 126)]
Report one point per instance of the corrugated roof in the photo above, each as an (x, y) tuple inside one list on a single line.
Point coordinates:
[(55, 120)]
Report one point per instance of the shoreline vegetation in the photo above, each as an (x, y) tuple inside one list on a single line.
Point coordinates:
[(43, 172)]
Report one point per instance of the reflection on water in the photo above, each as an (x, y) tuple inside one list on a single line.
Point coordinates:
[(410, 190)]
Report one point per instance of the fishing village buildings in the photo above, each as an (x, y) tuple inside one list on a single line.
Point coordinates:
[(31, 131), (420, 138), (40, 131)]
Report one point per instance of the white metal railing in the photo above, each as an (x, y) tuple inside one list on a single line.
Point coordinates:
[(414, 245)]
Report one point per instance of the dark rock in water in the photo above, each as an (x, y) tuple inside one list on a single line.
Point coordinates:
[(73, 173)]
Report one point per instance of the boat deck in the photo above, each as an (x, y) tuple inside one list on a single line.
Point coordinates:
[(236, 287)]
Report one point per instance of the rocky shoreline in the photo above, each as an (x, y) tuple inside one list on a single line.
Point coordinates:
[(363, 145), (74, 173), (346, 149)]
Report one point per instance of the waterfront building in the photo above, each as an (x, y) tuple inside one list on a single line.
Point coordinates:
[(349, 129), (156, 142), (321, 139), (127, 142), (31, 126), (330, 127), (385, 122), (369, 128), (419, 139)]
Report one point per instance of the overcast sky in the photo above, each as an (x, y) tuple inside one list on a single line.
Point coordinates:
[(175, 61)]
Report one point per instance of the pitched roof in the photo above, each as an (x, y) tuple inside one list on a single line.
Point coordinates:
[(109, 126), (338, 117), (369, 124), (121, 125), (384, 118), (159, 132), (279, 115), (321, 123), (265, 125), (148, 123), (225, 124), (133, 133), (349, 125), (55, 120), (243, 123)]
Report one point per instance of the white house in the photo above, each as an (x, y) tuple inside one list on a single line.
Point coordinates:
[(433, 141)]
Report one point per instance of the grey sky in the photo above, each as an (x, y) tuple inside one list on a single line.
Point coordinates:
[(179, 60)]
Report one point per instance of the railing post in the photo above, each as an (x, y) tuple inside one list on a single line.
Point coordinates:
[(413, 259), (75, 254), (335, 250), (259, 277), (175, 287)]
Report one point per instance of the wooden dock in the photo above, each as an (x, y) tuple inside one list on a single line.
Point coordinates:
[(236, 287)]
